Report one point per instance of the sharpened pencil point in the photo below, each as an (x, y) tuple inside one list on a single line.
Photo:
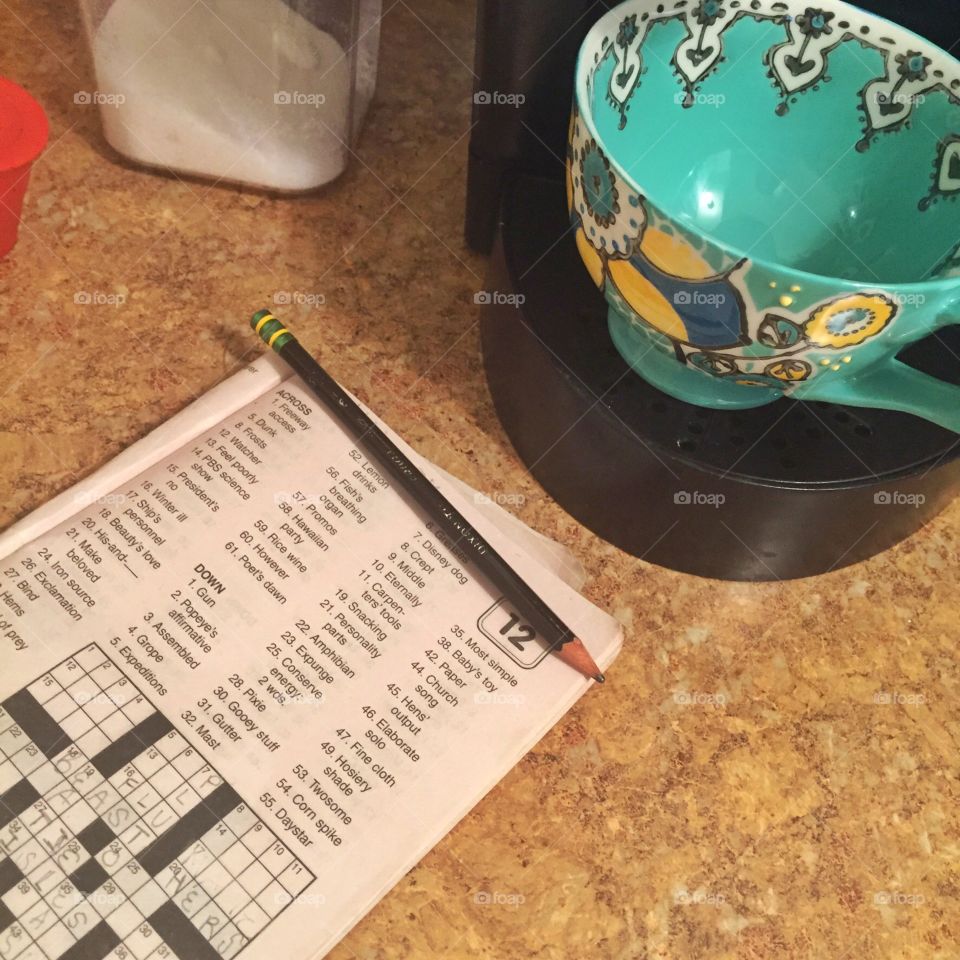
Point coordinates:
[(600, 678)]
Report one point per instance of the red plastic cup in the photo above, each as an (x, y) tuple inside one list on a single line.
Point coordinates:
[(23, 135)]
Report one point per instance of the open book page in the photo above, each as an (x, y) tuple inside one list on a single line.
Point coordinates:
[(247, 689)]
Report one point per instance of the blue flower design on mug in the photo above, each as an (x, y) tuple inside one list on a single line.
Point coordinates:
[(599, 185)]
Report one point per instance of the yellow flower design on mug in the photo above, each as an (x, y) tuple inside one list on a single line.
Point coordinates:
[(850, 320)]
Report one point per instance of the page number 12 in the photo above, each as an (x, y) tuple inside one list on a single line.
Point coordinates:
[(507, 628)]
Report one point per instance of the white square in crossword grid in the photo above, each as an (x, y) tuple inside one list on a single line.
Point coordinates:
[(209, 919), (187, 763), (236, 859), (65, 673), (9, 775), (254, 878), (27, 759), (93, 741), (33, 952), (20, 898), (232, 898), (45, 777), (107, 675), (126, 780), (166, 780), (197, 859), (125, 919), (191, 899), (149, 897), (38, 918), (219, 839), (215, 878), (149, 762), (138, 708), (81, 919), (83, 690), (172, 745), (116, 724), (89, 658), (251, 920), (144, 797), (98, 709), (60, 706), (273, 899), (78, 816), (76, 724), (44, 689), (183, 798), (240, 819), (55, 940), (142, 941), (229, 940), (257, 839), (120, 693)]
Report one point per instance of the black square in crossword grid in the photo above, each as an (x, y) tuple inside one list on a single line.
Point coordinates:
[(119, 839), (95, 836), (10, 875), (89, 877)]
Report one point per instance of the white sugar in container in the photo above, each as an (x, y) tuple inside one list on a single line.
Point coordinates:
[(262, 92)]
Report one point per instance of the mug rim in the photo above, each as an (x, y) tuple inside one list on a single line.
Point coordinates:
[(583, 71)]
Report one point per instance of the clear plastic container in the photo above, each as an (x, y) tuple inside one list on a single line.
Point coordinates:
[(264, 92)]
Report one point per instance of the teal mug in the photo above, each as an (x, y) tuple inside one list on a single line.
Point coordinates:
[(765, 192)]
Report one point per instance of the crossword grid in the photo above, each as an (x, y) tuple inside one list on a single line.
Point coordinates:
[(117, 839)]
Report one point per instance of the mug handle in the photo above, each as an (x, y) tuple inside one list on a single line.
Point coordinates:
[(896, 386)]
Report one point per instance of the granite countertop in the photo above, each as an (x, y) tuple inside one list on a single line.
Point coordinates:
[(771, 769)]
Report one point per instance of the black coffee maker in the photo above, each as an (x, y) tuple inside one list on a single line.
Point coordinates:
[(788, 490)]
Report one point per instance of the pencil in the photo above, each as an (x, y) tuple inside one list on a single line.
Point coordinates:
[(560, 639)]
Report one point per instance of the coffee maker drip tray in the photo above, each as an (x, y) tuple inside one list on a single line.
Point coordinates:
[(787, 490)]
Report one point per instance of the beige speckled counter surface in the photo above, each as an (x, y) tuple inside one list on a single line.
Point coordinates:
[(787, 812)]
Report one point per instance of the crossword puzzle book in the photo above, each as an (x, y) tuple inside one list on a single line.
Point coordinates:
[(245, 685)]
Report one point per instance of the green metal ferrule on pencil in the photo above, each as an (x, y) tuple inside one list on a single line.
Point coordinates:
[(270, 330)]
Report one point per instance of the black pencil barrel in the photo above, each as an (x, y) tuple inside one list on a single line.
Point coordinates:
[(493, 566)]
